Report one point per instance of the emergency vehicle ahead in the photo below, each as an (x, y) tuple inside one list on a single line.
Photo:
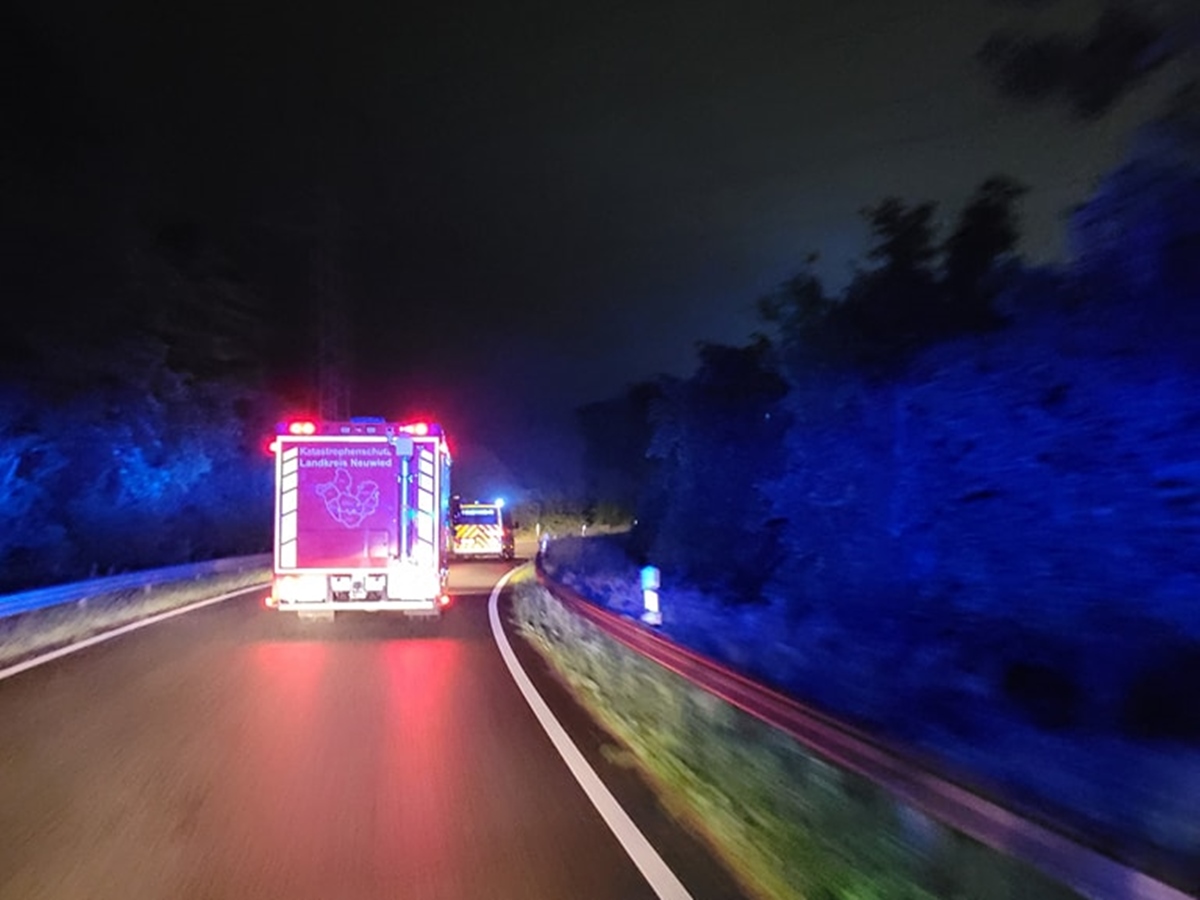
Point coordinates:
[(362, 517), (482, 529)]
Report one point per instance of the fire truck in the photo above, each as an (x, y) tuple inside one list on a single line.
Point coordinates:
[(482, 529), (362, 517)]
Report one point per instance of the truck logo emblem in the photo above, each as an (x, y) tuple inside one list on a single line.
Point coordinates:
[(347, 504)]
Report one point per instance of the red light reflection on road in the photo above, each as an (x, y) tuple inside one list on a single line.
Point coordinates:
[(272, 812), (291, 670), (287, 682), (421, 811), (343, 782)]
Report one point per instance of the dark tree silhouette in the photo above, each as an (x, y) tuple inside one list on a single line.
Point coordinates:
[(889, 308), (1091, 72), (616, 434), (903, 235), (799, 312), (131, 430), (988, 229), (189, 293), (920, 291), (716, 438)]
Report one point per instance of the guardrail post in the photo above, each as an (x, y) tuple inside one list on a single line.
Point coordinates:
[(651, 615)]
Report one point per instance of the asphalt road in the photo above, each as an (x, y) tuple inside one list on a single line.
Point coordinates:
[(234, 752)]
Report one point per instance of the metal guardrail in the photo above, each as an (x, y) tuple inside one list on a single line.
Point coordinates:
[(1046, 848), (72, 593)]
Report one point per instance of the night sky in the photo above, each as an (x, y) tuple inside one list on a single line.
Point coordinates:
[(528, 203)]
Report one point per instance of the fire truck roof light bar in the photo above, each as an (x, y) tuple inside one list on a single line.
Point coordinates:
[(309, 428)]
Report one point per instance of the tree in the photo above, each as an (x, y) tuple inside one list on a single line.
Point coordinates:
[(1090, 72), (188, 293), (889, 308), (988, 229), (616, 433), (34, 542), (903, 235), (798, 312), (716, 439)]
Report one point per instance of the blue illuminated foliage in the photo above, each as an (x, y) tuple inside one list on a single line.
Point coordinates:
[(130, 440), (1031, 485), (976, 533), (128, 475)]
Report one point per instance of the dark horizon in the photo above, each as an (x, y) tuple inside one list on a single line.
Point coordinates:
[(547, 203)]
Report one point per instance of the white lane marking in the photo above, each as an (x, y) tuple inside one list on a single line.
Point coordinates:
[(117, 632), (662, 880)]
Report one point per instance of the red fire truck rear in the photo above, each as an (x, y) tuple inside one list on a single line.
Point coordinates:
[(362, 517)]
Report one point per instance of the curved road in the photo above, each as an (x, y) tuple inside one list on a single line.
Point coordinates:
[(232, 752)]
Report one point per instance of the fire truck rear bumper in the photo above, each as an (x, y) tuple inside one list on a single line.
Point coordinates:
[(366, 605), (407, 607)]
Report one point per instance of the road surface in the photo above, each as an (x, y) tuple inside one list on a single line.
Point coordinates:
[(233, 752)]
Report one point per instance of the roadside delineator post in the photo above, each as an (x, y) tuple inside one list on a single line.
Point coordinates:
[(651, 615)]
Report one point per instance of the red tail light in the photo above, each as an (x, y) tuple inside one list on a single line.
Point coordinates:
[(444, 600)]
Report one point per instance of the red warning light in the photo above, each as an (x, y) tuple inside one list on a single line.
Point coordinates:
[(302, 428), (272, 447)]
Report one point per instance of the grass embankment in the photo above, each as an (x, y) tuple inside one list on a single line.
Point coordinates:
[(785, 822), (41, 630)]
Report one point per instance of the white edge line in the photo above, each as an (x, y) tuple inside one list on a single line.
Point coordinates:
[(124, 629), (662, 880)]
